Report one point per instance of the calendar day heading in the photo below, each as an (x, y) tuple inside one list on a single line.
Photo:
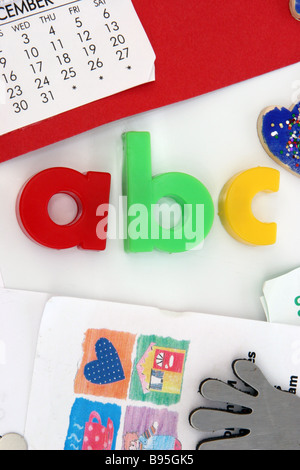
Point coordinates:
[(19, 8)]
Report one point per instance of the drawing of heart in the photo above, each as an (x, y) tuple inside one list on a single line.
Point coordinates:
[(107, 369), (279, 133)]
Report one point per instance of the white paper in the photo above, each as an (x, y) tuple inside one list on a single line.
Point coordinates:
[(213, 344), (20, 316), (265, 307), (61, 54), (281, 299)]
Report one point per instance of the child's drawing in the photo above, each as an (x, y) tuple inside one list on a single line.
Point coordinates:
[(93, 426), (159, 370), (106, 364), (107, 368), (148, 429)]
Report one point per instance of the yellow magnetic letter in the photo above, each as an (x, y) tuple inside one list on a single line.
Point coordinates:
[(235, 209)]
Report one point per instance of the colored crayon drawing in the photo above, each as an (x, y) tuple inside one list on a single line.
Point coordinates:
[(163, 369), (159, 369), (106, 364), (96, 435), (148, 429), (92, 426)]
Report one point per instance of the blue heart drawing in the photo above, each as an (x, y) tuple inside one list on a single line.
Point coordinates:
[(107, 369), (279, 132)]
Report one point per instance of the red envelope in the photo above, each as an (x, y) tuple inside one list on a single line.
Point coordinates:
[(200, 46)]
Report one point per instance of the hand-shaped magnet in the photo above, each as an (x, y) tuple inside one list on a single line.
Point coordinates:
[(271, 421)]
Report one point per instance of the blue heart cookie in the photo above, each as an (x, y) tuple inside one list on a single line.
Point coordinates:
[(279, 133), (107, 369), (295, 8)]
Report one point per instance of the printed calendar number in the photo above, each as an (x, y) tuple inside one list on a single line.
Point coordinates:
[(20, 106), (46, 97), (2, 60), (90, 50), (64, 58), (68, 73), (84, 36), (57, 44), (122, 54), (113, 26), (26, 39), (37, 67), (33, 52), (40, 83), (14, 92), (10, 77), (94, 65)]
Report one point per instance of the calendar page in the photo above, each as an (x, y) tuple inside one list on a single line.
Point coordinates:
[(56, 55)]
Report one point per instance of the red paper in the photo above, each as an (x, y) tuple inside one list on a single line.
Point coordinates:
[(200, 46)]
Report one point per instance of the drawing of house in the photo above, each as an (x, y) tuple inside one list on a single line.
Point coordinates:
[(161, 369)]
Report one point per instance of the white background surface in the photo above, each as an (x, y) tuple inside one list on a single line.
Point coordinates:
[(211, 137)]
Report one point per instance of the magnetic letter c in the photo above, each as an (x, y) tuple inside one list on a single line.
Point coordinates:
[(235, 206)]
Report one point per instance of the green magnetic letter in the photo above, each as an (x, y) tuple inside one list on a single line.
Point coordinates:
[(144, 233)]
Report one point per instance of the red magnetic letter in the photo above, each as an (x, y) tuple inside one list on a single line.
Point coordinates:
[(88, 190)]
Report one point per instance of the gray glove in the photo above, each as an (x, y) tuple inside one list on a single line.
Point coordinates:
[(271, 421)]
